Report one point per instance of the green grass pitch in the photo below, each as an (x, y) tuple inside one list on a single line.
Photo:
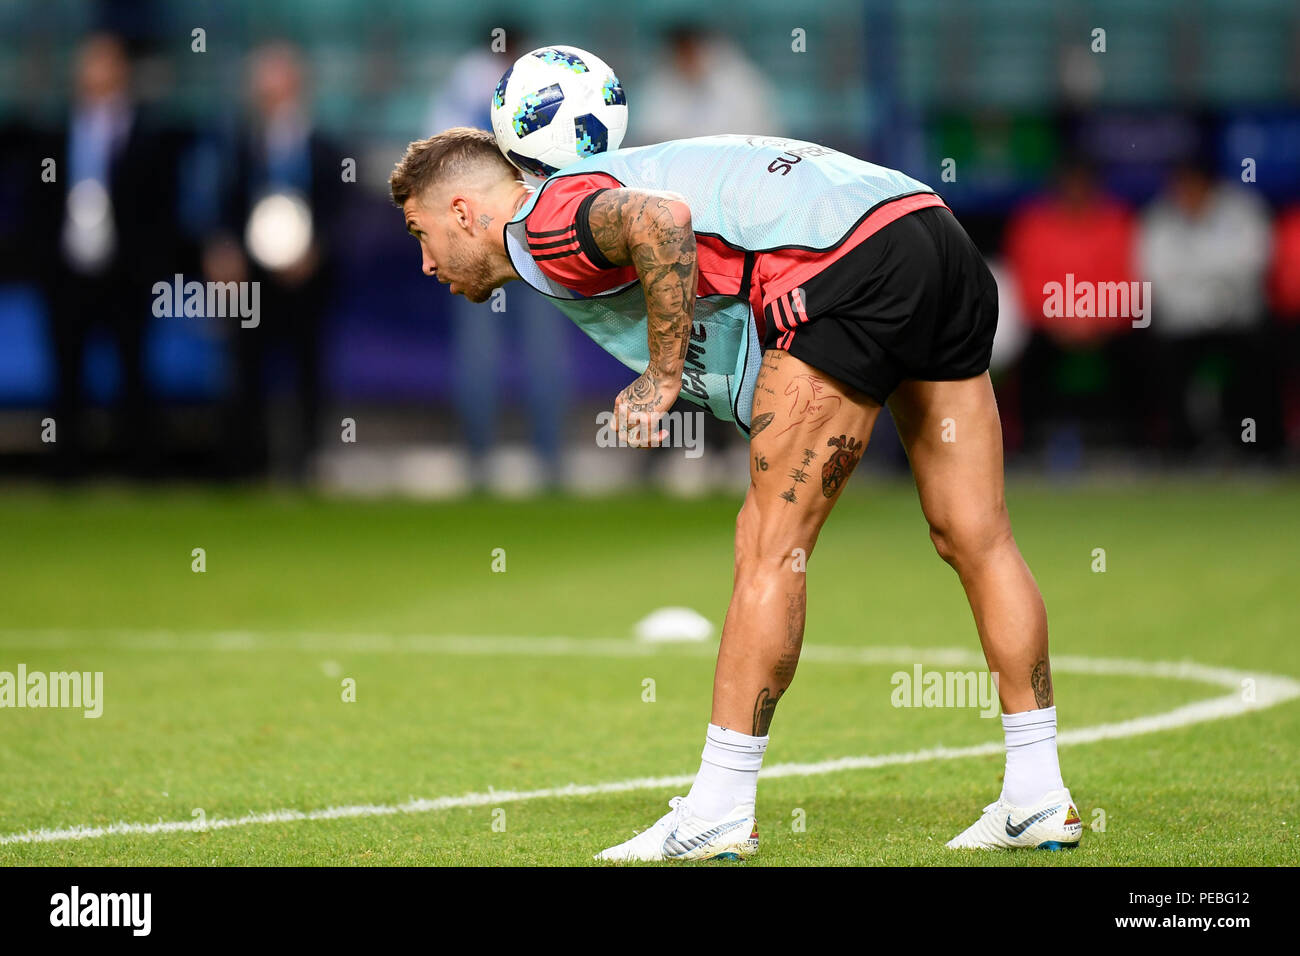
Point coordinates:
[(223, 690)]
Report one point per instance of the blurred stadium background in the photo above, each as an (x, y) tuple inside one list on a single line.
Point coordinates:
[(189, 444), (1127, 164)]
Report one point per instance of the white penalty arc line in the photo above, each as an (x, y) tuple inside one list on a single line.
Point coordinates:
[(1268, 690)]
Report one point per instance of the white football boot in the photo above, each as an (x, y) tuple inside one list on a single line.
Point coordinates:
[(1051, 824), (681, 835)]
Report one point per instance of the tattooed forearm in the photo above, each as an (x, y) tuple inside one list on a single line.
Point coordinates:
[(1041, 680), (652, 231), (640, 394)]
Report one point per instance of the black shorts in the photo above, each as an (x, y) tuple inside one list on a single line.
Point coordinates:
[(914, 300)]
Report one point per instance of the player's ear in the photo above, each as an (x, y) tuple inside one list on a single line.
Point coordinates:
[(460, 213)]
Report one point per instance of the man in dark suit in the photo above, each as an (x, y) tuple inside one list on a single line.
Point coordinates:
[(278, 152), (104, 228)]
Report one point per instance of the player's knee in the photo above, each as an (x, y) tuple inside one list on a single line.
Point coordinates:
[(766, 543), (966, 541)]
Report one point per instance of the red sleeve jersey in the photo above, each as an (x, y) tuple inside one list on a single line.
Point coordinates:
[(560, 241), (559, 238), (553, 236)]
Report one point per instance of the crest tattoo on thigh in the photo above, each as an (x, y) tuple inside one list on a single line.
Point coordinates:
[(839, 466)]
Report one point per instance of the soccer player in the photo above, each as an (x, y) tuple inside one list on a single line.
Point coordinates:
[(861, 288)]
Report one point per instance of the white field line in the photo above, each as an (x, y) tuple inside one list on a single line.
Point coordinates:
[(1269, 690)]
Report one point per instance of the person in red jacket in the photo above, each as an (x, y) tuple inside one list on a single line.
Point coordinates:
[(1284, 298), (1074, 367)]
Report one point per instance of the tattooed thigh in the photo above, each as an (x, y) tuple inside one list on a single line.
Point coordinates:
[(807, 433)]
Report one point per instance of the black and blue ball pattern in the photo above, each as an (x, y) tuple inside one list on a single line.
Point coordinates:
[(560, 58), (612, 92), (499, 95), (534, 167), (537, 109), (592, 136)]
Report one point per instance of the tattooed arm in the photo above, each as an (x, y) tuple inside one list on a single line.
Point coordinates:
[(651, 231)]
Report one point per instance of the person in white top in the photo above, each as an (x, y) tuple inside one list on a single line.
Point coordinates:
[(1204, 246)]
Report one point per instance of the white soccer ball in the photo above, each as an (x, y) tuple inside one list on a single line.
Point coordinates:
[(672, 624), (555, 106)]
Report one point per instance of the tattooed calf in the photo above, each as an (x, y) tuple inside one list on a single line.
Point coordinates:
[(764, 708), (796, 605), (1041, 680)]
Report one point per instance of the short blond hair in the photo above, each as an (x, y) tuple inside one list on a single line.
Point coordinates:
[(453, 153)]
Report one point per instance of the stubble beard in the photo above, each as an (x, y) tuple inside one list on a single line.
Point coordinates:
[(479, 278)]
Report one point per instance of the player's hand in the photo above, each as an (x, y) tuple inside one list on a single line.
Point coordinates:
[(638, 407)]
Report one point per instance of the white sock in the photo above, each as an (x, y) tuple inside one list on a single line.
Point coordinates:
[(728, 774), (1032, 767)]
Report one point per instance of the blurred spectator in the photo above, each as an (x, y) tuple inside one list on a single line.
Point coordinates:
[(702, 85), (278, 152), (1284, 289), (539, 329), (1204, 247), (81, 262), (105, 231), (1075, 369)]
